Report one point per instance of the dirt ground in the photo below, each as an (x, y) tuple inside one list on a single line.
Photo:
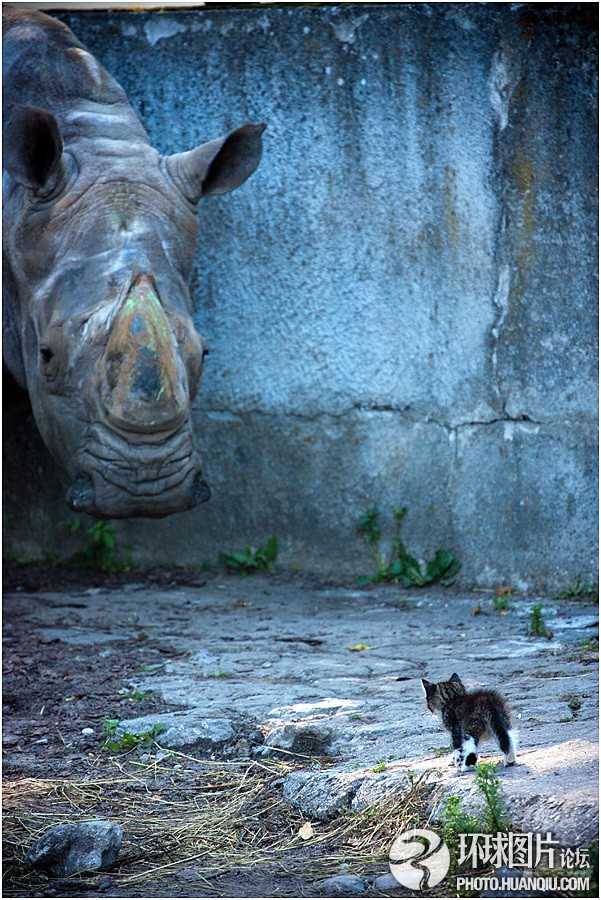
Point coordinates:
[(261, 654)]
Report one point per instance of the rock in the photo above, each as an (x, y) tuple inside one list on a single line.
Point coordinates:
[(321, 795), (376, 786), (67, 849), (241, 749), (187, 731), (342, 884), (386, 882), (297, 737)]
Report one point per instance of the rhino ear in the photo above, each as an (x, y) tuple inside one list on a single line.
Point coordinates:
[(219, 166), (32, 146)]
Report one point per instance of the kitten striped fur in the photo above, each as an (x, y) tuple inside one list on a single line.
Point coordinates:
[(471, 716)]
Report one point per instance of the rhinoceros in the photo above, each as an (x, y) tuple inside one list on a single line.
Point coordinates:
[(99, 237)]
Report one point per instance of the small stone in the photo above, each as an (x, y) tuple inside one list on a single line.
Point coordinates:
[(342, 884), (87, 731), (301, 738), (67, 849), (386, 882), (241, 749)]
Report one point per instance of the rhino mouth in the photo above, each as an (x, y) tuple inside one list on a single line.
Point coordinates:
[(137, 475)]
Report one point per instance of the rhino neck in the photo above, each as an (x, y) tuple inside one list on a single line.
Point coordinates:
[(143, 382)]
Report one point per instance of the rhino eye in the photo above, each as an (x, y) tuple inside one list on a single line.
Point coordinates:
[(46, 354)]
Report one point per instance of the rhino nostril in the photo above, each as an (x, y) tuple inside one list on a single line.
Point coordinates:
[(81, 495), (200, 490), (46, 354), (113, 368)]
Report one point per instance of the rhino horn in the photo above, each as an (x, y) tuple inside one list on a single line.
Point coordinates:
[(218, 166), (143, 380), (32, 146)]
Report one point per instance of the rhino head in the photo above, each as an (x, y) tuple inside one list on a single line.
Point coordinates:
[(99, 239)]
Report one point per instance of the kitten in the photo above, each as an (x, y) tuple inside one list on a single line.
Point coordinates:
[(470, 717)]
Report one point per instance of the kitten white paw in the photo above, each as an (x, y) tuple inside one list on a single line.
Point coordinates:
[(511, 758), (469, 754)]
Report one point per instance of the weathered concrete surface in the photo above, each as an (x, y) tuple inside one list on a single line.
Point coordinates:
[(401, 305), (265, 655)]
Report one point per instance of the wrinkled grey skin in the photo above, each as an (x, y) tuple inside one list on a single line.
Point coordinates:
[(99, 235)]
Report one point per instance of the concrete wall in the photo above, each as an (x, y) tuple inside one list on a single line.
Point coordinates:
[(401, 303)]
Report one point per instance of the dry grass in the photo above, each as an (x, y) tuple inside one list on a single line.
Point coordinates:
[(218, 818)]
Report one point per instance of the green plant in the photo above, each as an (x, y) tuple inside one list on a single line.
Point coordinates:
[(404, 604), (127, 741), (101, 551), (578, 590), (590, 644), (537, 625), (575, 704), (502, 603), (103, 544), (252, 558), (380, 766), (109, 727), (132, 696), (401, 567), (494, 813), (455, 821), (220, 673), (73, 524), (490, 817)]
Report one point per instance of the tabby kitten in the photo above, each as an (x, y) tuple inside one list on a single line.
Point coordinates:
[(470, 717)]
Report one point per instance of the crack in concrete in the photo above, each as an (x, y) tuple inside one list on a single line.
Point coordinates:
[(380, 408)]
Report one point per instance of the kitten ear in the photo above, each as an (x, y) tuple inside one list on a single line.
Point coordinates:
[(428, 687), (455, 677)]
